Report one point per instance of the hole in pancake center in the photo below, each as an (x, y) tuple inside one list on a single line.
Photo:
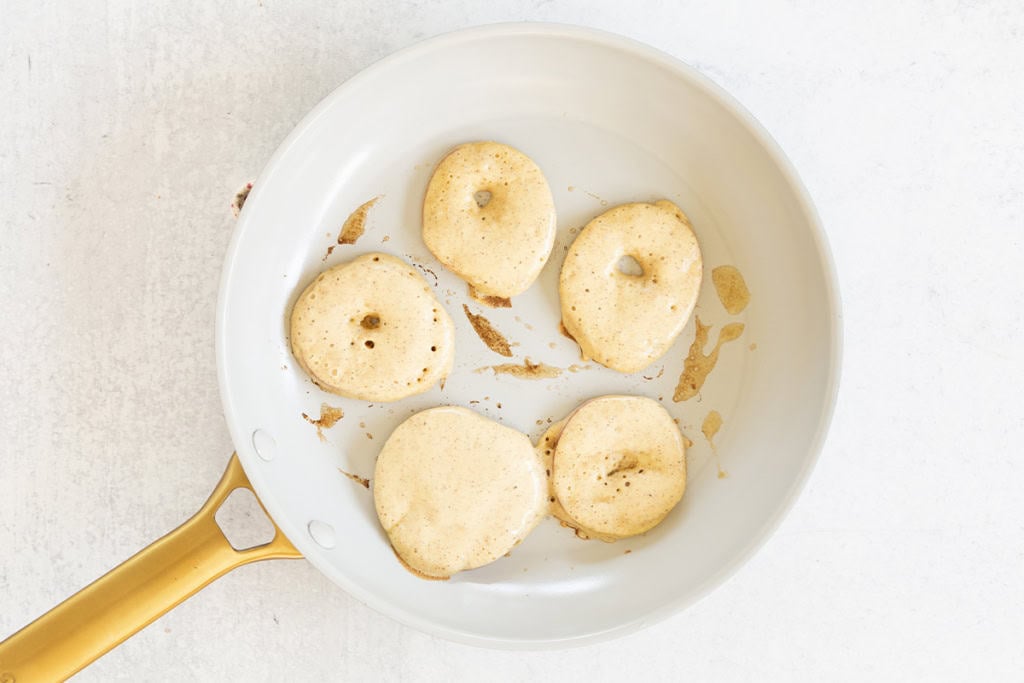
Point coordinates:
[(369, 343), (370, 322), (628, 265), (482, 198)]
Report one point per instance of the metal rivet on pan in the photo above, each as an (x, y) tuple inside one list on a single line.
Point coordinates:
[(264, 444), (322, 533)]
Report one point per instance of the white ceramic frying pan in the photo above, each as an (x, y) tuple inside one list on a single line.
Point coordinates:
[(609, 121)]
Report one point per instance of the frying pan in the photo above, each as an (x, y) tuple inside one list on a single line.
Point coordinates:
[(609, 120)]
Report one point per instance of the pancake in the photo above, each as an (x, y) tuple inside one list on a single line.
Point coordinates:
[(372, 329), (618, 466), (625, 314), (455, 491), (489, 217)]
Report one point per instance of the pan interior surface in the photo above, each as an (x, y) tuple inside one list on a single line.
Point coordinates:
[(609, 121)]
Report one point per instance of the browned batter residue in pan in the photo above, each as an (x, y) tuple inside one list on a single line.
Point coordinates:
[(329, 416), (527, 370), (492, 301), (355, 224), (427, 271), (365, 483), (698, 366), (660, 373), (494, 340)]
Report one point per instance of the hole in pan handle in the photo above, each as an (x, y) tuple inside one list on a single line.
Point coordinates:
[(129, 597)]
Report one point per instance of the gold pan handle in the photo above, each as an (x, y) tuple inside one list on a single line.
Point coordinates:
[(129, 597)]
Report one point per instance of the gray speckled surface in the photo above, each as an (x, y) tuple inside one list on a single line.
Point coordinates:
[(127, 128)]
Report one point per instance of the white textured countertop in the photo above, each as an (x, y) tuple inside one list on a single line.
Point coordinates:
[(126, 129)]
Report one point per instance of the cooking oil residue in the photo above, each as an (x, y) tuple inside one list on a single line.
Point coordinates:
[(731, 288), (698, 366), (712, 423)]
